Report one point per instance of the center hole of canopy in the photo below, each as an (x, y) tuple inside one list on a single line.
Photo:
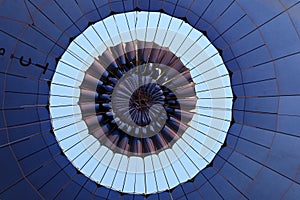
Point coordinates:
[(141, 101)]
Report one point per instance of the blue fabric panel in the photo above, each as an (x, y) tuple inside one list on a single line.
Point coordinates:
[(169, 7), (238, 116), (287, 73), (23, 132), (43, 174), (182, 7), (20, 100), (225, 152), (231, 140), (261, 11), (9, 45), (55, 184), (289, 3), (293, 193), (239, 104), (80, 179), (71, 9), (57, 16), (258, 136), (103, 10), (289, 105), (289, 124), (23, 188), (294, 13), (7, 7), (130, 5), (236, 78), (3, 137), (20, 117), (84, 194), (156, 5), (226, 190), (243, 45), (280, 152), (24, 85), (88, 8), (117, 6), (252, 57), (262, 104), (231, 16), (153, 197), (177, 192), (235, 129), (49, 138), (102, 192), (262, 88), (277, 185), (186, 197), (35, 161), (235, 177), (194, 195), (10, 167), (144, 5), (188, 187), (208, 192), (199, 180), (164, 195), (70, 191), (232, 65), (238, 90), (216, 9), (259, 73), (244, 164), (128, 196), (90, 186), (200, 7), (240, 30), (281, 41), (266, 121), (209, 172), (139, 197), (251, 150), (69, 170)]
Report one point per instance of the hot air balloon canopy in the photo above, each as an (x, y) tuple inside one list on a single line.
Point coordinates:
[(149, 99)]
